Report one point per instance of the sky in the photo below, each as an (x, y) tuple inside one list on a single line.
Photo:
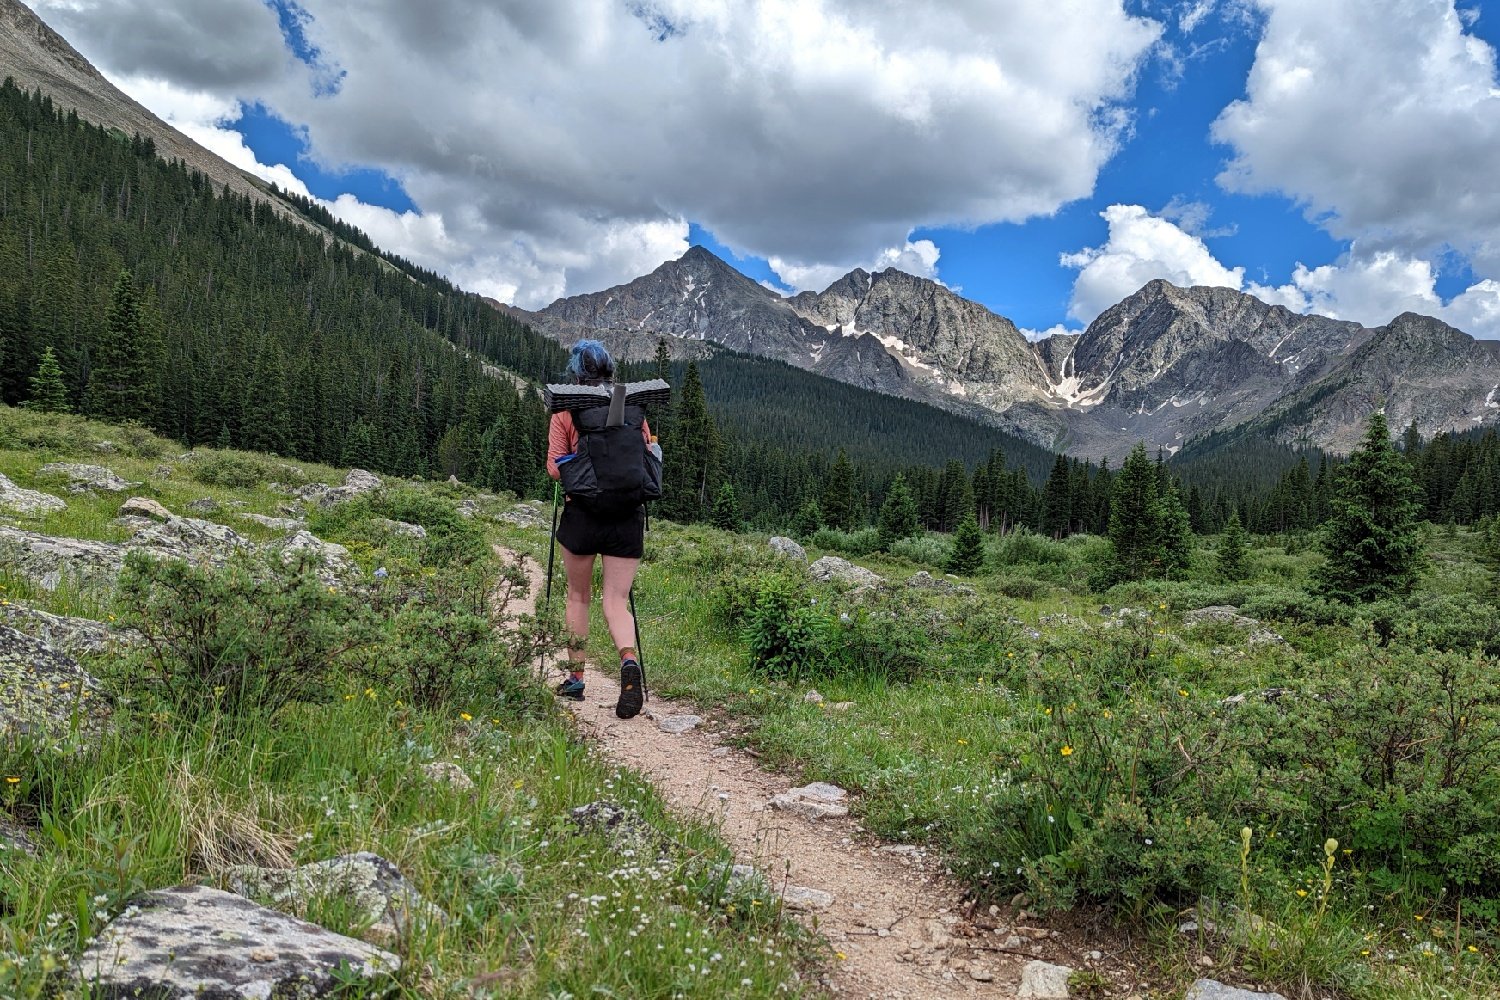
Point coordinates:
[(1046, 158)]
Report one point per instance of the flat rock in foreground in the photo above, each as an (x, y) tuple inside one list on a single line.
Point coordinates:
[(196, 942), (43, 692), (1212, 989)]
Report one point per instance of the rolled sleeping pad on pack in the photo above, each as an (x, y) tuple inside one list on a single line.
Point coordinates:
[(558, 398)]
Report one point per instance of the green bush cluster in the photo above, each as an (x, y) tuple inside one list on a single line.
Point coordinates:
[(1129, 785), (242, 470)]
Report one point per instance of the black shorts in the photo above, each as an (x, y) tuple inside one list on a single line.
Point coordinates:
[(586, 534)]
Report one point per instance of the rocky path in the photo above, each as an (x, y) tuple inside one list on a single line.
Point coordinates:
[(897, 927)]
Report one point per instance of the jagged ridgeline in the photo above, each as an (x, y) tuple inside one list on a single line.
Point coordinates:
[(240, 325)]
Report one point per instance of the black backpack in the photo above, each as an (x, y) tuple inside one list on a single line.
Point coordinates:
[(611, 473)]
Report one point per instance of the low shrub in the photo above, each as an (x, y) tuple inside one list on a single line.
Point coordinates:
[(1023, 546), (1024, 588), (851, 543), (234, 470), (783, 628), (255, 635), (925, 550)]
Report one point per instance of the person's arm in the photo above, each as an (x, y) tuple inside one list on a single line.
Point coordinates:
[(645, 430), (562, 439)]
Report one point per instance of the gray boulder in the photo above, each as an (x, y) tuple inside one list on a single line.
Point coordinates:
[(401, 529), (203, 543), (332, 557), (832, 569), (203, 505), (358, 482), (147, 508), (28, 502), (373, 888), (14, 839), (1219, 613), (818, 800), (274, 523), (47, 561), (788, 547), (445, 772), (73, 636), (195, 942), (85, 477), (43, 691), (1043, 981), (1212, 989), (924, 580), (527, 514), (676, 725)]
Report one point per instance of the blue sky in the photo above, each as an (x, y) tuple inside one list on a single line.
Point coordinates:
[(1332, 157)]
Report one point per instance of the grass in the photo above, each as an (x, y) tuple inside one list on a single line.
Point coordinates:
[(932, 759), (535, 906)]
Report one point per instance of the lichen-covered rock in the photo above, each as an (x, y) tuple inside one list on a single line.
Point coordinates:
[(14, 839), (832, 569), (44, 692), (358, 482), (47, 561), (369, 884), (924, 580), (85, 477), (789, 548), (203, 505), (194, 943), (332, 558), (28, 502), (275, 523), (188, 538), (528, 514), (1221, 614), (401, 529), (626, 830), (74, 636), (444, 772)]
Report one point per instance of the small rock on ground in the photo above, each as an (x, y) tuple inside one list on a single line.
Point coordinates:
[(14, 839), (193, 941), (1212, 989), (678, 724), (788, 548), (31, 502), (800, 897), (374, 888), (1043, 981), (834, 569), (85, 477), (442, 772), (818, 800)]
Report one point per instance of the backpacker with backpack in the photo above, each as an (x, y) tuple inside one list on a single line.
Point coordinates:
[(612, 472)]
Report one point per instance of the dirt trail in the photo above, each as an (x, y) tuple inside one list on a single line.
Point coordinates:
[(903, 930)]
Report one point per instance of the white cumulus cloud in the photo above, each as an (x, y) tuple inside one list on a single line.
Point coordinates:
[(1141, 247), (563, 144), (1381, 117), (919, 258)]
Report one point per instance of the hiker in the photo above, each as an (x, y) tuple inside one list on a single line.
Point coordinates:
[(584, 534)]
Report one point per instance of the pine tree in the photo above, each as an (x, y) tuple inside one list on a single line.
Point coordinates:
[(1232, 554), (360, 448), (840, 498), (1174, 538), (120, 382), (808, 519), (967, 555), (1057, 499), (1133, 517), (898, 515), (726, 512), (49, 392), (694, 453), (1372, 541)]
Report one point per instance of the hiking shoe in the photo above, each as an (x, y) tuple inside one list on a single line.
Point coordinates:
[(571, 687), (629, 705)]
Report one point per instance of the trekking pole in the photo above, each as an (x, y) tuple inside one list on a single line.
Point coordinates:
[(552, 545), (640, 657)]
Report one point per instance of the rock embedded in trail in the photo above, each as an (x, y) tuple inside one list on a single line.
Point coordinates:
[(85, 477), (374, 889), (1043, 981), (31, 503), (818, 800), (43, 692), (800, 897), (1212, 989), (676, 725), (832, 569), (195, 942)]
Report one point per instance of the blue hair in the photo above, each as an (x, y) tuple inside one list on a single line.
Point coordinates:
[(590, 362)]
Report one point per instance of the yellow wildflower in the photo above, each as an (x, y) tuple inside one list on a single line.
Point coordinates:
[(1066, 751), (466, 716)]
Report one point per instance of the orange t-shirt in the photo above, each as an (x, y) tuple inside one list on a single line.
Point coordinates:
[(562, 439)]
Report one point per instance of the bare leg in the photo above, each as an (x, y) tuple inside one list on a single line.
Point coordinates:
[(580, 573), (619, 575)]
